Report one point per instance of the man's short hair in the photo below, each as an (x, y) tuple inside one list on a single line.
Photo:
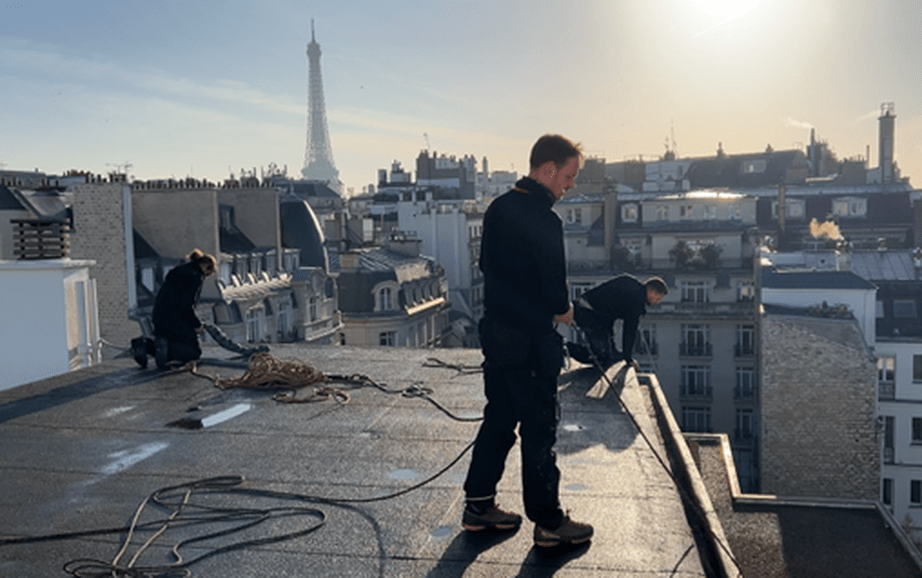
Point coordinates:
[(657, 285), (555, 148)]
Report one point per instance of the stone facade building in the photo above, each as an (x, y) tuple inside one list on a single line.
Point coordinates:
[(819, 406)]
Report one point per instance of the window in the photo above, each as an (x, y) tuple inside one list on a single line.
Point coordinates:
[(858, 207), (916, 430), (915, 492), (710, 212), (850, 207), (696, 419), (904, 309), (794, 209), (313, 308), (685, 211), (577, 289), (889, 436), (629, 213), (696, 340), (886, 369), (917, 367), (387, 338), (385, 299), (886, 492), (753, 166), (745, 340), (746, 291), (696, 381), (575, 216), (695, 292), (662, 213), (254, 325), (745, 424), (879, 309), (283, 319), (745, 388), (647, 345)]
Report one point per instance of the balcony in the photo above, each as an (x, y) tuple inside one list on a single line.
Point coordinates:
[(696, 349)]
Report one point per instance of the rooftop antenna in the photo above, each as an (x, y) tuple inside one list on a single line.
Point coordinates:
[(122, 168), (426, 136)]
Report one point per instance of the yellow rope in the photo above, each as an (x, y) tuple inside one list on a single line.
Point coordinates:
[(266, 371)]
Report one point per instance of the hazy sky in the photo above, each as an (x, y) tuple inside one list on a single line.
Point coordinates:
[(204, 88)]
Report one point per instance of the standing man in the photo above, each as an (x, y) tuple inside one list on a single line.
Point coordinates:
[(524, 269), (596, 310)]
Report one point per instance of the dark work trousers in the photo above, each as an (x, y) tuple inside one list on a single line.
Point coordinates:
[(519, 395), (598, 334), (183, 351)]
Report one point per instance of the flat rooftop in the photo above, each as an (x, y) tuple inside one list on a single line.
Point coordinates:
[(365, 480)]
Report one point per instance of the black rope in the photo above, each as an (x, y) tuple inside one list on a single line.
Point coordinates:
[(185, 512)]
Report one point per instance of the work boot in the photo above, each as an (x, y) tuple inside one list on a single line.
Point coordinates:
[(162, 355), (139, 351), (491, 518), (569, 532)]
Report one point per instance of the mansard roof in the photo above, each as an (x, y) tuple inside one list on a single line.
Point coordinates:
[(301, 230), (726, 171), (775, 279), (9, 201)]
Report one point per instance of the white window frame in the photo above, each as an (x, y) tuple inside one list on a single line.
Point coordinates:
[(629, 213), (696, 419), (696, 291), (745, 388)]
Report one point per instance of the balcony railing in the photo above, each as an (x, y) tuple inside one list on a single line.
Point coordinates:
[(747, 393), (695, 349), (744, 350), (888, 455), (743, 437), (886, 390), (643, 348), (695, 392)]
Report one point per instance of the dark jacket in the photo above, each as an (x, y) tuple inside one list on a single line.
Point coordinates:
[(522, 259), (623, 297), (174, 308)]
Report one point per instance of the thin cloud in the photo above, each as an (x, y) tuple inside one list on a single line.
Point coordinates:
[(42, 60)]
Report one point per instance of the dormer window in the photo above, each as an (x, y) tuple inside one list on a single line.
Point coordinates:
[(629, 213), (385, 300)]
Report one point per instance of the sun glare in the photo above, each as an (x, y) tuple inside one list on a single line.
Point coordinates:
[(725, 10)]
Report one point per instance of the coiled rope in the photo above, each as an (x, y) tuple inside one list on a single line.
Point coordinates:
[(267, 372)]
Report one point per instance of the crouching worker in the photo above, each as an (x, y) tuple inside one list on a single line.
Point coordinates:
[(596, 310), (176, 326)]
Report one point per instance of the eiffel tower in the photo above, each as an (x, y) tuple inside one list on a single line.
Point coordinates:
[(318, 158)]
